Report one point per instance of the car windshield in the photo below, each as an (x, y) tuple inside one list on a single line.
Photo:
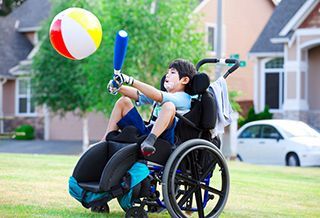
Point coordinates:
[(298, 129)]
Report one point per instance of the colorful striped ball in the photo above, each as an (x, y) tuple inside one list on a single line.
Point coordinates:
[(75, 33)]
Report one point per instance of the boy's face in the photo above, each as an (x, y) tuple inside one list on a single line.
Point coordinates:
[(172, 83)]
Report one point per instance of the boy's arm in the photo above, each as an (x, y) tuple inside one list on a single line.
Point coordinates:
[(129, 92), (147, 90)]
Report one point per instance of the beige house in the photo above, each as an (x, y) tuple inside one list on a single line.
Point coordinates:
[(243, 20), (287, 62), (18, 44)]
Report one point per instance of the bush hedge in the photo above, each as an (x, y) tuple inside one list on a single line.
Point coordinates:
[(24, 132), (252, 116)]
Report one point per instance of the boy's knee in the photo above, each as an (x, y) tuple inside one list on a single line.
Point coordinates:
[(124, 102), (169, 107)]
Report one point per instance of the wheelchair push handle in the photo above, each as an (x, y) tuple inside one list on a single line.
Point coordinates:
[(235, 63)]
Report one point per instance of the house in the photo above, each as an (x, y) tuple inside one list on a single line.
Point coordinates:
[(242, 23), (287, 62), (19, 40), (18, 44)]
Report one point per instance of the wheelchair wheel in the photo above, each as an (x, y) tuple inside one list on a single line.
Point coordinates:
[(101, 209), (136, 212), (196, 180)]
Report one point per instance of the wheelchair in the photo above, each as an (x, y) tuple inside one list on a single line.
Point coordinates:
[(188, 179)]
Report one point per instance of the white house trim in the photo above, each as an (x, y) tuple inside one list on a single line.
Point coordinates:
[(279, 40), (200, 6), (309, 44), (265, 54), (298, 81), (285, 74), (34, 51), (307, 79), (256, 81), (298, 18), (207, 25), (29, 29), (303, 32), (307, 31), (264, 71), (28, 96), (2, 82)]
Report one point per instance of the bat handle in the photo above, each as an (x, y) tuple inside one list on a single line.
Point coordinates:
[(115, 72)]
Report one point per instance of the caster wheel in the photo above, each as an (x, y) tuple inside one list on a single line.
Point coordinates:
[(101, 209), (136, 212)]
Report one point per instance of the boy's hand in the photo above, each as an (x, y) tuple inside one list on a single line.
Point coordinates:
[(111, 87), (123, 78)]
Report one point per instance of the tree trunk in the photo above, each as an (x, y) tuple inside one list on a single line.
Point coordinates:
[(85, 132)]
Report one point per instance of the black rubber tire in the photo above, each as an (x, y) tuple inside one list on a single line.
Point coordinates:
[(101, 209), (238, 158), (292, 160), (136, 212), (169, 175)]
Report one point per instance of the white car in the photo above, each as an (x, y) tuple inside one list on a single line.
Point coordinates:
[(279, 142)]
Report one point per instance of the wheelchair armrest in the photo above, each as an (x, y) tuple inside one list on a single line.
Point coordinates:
[(187, 121)]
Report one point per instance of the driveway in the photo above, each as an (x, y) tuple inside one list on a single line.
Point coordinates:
[(41, 147)]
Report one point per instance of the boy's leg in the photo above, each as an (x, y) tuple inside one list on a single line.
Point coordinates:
[(120, 109), (164, 120)]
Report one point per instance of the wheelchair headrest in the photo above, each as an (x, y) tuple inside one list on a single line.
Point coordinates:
[(198, 85)]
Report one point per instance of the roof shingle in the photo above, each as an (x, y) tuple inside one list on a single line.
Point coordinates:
[(280, 17), (14, 46)]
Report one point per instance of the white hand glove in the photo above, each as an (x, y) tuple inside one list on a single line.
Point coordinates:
[(121, 78), (112, 89)]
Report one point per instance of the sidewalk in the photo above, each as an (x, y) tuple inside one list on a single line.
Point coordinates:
[(41, 147)]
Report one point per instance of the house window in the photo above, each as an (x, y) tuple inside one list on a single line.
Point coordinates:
[(274, 83), (211, 38), (24, 102)]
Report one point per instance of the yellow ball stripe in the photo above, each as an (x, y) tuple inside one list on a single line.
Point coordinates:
[(89, 22)]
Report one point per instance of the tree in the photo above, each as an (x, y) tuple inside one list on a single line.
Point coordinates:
[(159, 31)]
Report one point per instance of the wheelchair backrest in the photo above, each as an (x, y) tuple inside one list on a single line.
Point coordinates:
[(203, 112)]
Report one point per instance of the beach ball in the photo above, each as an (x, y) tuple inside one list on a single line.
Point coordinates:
[(75, 33)]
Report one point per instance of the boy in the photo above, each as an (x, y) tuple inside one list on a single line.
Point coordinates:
[(180, 73)]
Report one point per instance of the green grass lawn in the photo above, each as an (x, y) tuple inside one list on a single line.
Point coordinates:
[(37, 186)]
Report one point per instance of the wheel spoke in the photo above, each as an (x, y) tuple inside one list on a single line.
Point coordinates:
[(199, 203), (194, 170), (186, 179), (187, 195), (206, 173), (213, 190)]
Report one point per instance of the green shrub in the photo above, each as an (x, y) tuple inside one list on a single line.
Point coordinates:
[(252, 116), (24, 132)]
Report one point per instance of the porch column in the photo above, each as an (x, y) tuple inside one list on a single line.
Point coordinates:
[(295, 102), (2, 82)]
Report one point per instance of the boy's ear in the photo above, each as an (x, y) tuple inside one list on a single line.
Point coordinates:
[(185, 80)]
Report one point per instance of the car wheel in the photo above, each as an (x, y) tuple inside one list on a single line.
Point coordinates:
[(292, 160), (238, 158)]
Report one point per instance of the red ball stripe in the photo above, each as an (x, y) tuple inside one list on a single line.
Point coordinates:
[(57, 40)]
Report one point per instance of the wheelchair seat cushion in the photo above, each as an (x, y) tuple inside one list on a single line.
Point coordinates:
[(129, 134)]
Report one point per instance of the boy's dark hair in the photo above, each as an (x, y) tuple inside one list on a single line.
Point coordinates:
[(184, 68)]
